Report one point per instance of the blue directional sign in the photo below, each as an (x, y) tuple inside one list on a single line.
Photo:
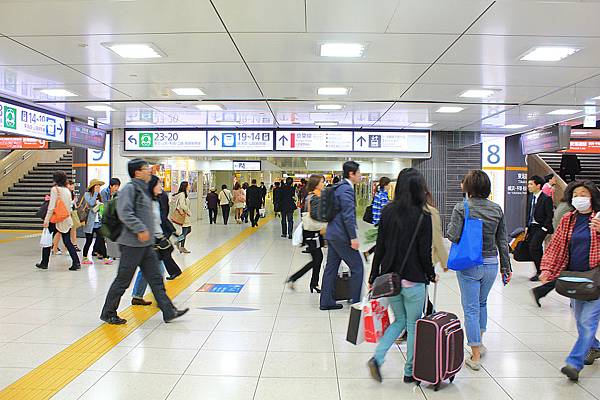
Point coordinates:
[(221, 288)]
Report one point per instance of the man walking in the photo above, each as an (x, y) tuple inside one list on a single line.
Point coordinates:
[(539, 221), (263, 192), (287, 206), (134, 208), (254, 202), (342, 240)]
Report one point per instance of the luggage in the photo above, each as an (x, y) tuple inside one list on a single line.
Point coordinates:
[(342, 286), (521, 252)]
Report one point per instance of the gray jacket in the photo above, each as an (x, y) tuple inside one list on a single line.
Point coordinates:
[(494, 230), (134, 207)]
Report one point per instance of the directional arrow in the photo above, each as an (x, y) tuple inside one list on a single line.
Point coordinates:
[(132, 140), (361, 140), (214, 139), (283, 139), (59, 128)]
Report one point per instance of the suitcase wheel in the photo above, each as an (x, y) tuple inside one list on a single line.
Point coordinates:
[(436, 387), (452, 379)]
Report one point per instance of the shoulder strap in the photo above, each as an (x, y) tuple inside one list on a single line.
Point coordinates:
[(410, 245)]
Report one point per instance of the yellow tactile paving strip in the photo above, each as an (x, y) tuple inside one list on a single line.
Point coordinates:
[(50, 377)]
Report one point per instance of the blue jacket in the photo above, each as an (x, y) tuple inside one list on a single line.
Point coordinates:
[(381, 199), (343, 227)]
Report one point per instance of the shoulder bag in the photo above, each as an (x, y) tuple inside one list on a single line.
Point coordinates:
[(178, 216), (83, 209), (308, 222), (468, 252), (60, 212)]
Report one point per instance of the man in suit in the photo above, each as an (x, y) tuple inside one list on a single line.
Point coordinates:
[(539, 221), (287, 206), (342, 240), (263, 192), (253, 202)]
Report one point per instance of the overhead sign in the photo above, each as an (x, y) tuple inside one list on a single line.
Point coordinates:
[(314, 141), (21, 142), (252, 165), (165, 140), (392, 142), (86, 136), (584, 147), (554, 138), (240, 140), (27, 122)]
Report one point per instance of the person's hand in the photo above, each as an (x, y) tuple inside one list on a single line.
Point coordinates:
[(506, 278), (354, 244), (436, 278), (544, 278), (369, 287), (45, 225), (143, 236), (445, 269), (595, 224)]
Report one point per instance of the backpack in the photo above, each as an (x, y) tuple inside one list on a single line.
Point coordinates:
[(111, 226), (326, 208)]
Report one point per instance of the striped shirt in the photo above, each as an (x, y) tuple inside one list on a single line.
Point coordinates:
[(380, 200)]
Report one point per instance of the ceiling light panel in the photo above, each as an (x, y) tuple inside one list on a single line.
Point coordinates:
[(478, 93), (135, 50), (514, 126), (449, 110), (100, 108), (346, 50), (549, 53), (188, 92), (329, 107), (57, 93), (421, 124), (333, 91), (209, 107), (326, 123), (563, 111)]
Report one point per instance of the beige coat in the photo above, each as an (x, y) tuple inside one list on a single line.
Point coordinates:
[(65, 195), (182, 203), (439, 253)]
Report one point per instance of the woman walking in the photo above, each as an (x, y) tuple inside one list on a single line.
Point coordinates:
[(312, 239), (379, 201), (401, 221), (60, 194), (225, 201), (183, 212), (55, 249), (92, 226), (239, 202), (576, 247), (475, 283)]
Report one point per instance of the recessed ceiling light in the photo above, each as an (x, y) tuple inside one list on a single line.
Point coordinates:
[(57, 93), (329, 106), (188, 92), (100, 108), (140, 123), (209, 107), (449, 110), (342, 50), (581, 133), (563, 111), (514, 126), (478, 93), (135, 50), (549, 53), (333, 91), (596, 98), (326, 123), (421, 124)]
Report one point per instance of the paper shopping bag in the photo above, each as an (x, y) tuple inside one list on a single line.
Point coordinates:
[(356, 332), (375, 319)]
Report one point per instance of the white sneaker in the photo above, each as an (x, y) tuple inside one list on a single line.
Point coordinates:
[(474, 365), (482, 350)]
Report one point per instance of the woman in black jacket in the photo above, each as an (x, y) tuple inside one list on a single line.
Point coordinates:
[(401, 220)]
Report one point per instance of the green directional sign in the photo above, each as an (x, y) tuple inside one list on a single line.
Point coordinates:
[(146, 139), (10, 117)]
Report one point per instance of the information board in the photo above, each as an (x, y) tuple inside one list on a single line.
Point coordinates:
[(165, 140), (98, 163), (86, 136), (240, 140), (27, 122), (392, 142), (554, 138), (584, 147), (20, 142), (314, 141), (252, 165)]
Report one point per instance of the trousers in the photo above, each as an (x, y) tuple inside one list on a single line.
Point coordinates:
[(336, 252)]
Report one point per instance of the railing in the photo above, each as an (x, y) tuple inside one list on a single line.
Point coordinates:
[(15, 163), (537, 166)]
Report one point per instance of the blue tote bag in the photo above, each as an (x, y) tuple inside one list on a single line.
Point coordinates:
[(467, 253)]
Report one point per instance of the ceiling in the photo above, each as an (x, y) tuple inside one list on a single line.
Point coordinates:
[(259, 59)]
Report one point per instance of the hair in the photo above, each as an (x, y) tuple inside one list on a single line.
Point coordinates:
[(114, 182), (262, 183), (254, 181), (429, 199), (154, 180), (538, 180), (336, 179), (303, 181), (289, 180), (277, 183), (350, 166), (60, 178), (383, 182), (245, 185), (183, 188), (548, 177), (135, 165), (477, 184), (313, 182), (590, 186), (567, 189), (237, 186), (70, 182), (223, 187)]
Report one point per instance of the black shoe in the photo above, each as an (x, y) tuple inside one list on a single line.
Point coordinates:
[(409, 379), (315, 288), (114, 320), (290, 236), (170, 278), (534, 278), (570, 373), (75, 267), (283, 235), (592, 356), (140, 302), (333, 307), (41, 266), (178, 313), (374, 370), (536, 297)]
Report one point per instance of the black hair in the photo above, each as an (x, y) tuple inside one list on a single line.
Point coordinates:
[(254, 181), (114, 181), (223, 187), (477, 184), (548, 177), (590, 186), (137, 164), (289, 180), (245, 185), (60, 178), (350, 166), (538, 180), (237, 186), (336, 179), (277, 183), (383, 182), (183, 188), (154, 180)]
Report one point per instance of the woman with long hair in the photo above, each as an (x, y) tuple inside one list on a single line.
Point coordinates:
[(401, 220), (239, 202), (93, 201), (182, 206)]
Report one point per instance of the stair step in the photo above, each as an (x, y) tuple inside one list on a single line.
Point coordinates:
[(21, 203), (33, 220), (22, 198), (19, 226)]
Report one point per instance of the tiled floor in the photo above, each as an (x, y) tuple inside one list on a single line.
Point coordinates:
[(266, 342)]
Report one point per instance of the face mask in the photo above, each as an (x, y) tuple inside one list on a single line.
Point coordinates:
[(582, 204)]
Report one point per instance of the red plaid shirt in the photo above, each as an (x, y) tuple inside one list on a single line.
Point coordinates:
[(556, 256)]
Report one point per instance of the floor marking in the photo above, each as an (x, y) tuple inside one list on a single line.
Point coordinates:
[(49, 378), (20, 231), (16, 238)]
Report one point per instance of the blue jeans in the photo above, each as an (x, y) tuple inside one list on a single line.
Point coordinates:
[(407, 308), (587, 314), (140, 285), (475, 285)]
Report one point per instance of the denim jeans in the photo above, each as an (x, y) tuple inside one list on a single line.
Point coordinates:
[(407, 308), (140, 285), (587, 314), (475, 285)]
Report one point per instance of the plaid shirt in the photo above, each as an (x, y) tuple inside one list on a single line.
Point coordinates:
[(381, 199), (556, 256)]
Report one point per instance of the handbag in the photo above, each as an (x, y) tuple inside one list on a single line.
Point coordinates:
[(389, 284), (43, 210), (579, 285), (297, 237), (368, 215), (521, 252), (83, 210), (60, 212), (76, 222), (467, 253), (177, 216), (309, 223), (46, 238)]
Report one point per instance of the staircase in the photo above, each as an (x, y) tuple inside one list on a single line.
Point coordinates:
[(19, 205), (590, 165)]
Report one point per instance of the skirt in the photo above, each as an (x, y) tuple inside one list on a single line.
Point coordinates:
[(239, 205)]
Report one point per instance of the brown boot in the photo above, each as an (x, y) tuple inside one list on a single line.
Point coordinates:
[(140, 302)]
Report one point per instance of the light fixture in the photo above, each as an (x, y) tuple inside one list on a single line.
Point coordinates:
[(140, 123), (421, 124), (514, 126), (100, 108), (188, 92), (134, 50), (449, 110), (478, 93), (563, 111), (596, 98), (549, 53), (581, 133), (209, 107), (329, 107), (333, 91), (326, 123), (57, 93), (342, 50)]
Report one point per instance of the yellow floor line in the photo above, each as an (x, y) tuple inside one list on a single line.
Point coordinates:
[(50, 377), (25, 231)]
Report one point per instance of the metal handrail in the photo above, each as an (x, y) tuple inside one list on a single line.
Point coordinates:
[(15, 163)]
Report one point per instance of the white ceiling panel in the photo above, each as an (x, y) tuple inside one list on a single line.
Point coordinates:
[(43, 75), (349, 15), (188, 47), (262, 15), (571, 96), (358, 92), (12, 53), (92, 17), (213, 91), (92, 92)]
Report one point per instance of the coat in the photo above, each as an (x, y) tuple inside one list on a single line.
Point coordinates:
[(253, 197), (182, 202), (343, 227), (90, 199)]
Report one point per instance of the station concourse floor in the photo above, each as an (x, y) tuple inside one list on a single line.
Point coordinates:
[(265, 342)]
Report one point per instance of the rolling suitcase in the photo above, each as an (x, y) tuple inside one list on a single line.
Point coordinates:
[(439, 348)]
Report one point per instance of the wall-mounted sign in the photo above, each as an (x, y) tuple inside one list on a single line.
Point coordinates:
[(165, 140), (86, 136), (393, 142), (584, 147), (493, 162), (240, 140), (314, 141), (27, 122), (98, 163), (554, 138), (21, 142), (251, 165)]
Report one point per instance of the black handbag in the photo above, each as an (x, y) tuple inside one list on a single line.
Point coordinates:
[(579, 285), (521, 252), (368, 215), (389, 284), (43, 210), (342, 287)]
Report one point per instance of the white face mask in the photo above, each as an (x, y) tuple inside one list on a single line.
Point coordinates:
[(582, 204)]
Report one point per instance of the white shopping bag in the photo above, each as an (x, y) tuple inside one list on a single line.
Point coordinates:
[(46, 239), (297, 237)]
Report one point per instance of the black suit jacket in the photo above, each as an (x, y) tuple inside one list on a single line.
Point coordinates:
[(543, 213), (166, 225), (253, 197), (287, 195)]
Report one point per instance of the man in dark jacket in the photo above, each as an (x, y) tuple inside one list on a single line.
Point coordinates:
[(263, 192), (287, 207), (540, 212), (212, 203), (277, 198), (253, 202)]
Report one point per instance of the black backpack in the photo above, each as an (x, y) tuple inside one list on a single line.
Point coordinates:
[(325, 206), (111, 224)]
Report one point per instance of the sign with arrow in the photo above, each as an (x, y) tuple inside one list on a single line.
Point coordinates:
[(20, 120), (314, 141), (165, 140), (392, 142), (235, 140)]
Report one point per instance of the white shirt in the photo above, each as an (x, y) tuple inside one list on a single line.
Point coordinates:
[(537, 197)]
